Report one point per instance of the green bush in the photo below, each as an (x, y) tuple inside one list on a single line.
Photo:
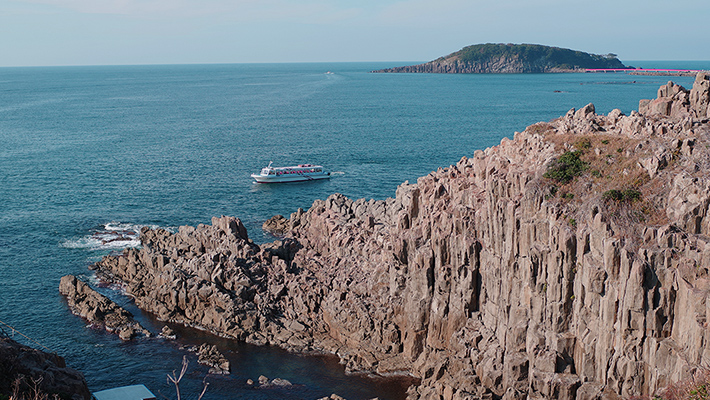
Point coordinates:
[(583, 144), (566, 167), (631, 195), (613, 195), (627, 195)]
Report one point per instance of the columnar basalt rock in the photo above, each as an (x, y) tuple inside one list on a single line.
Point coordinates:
[(675, 101), (483, 279), (98, 309)]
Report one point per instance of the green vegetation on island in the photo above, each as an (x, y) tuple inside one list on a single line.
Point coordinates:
[(513, 58)]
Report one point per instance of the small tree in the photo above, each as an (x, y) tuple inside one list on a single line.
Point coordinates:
[(175, 379)]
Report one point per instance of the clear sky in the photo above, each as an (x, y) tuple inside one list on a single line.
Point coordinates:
[(115, 32)]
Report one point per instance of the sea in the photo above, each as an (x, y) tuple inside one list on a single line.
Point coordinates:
[(90, 154)]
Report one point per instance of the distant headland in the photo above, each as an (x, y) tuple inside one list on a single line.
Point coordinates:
[(492, 58)]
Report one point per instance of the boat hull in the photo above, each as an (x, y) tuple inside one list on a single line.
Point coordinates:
[(288, 178)]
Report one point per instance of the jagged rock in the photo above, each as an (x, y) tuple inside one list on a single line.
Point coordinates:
[(280, 382), (477, 280), (18, 361), (209, 355), (98, 309), (700, 95), (278, 225), (677, 102), (263, 380), (333, 397), (168, 333)]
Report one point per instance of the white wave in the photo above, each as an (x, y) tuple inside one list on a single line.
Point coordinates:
[(113, 235)]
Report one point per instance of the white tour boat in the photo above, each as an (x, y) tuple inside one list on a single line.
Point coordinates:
[(297, 173)]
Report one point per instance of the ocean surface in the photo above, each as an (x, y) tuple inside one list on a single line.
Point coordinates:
[(88, 155)]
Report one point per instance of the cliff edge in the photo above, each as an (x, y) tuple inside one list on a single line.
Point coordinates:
[(570, 262), (510, 58)]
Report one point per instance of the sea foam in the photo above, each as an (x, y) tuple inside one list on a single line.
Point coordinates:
[(111, 236)]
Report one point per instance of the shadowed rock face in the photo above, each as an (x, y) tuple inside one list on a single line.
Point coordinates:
[(49, 370), (478, 280)]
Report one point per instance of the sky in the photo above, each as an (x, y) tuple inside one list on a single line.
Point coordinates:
[(127, 32)]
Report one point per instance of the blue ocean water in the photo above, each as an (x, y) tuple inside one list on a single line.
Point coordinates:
[(89, 154)]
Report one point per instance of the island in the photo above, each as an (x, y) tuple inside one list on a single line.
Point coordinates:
[(500, 58)]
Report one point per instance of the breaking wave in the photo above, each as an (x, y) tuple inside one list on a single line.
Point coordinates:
[(111, 236)]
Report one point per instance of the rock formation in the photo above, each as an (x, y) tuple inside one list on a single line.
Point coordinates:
[(98, 309), (278, 225), (265, 382), (25, 365), (209, 355), (677, 102), (167, 333), (492, 278)]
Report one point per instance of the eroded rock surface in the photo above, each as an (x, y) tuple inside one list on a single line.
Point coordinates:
[(484, 279), (98, 309)]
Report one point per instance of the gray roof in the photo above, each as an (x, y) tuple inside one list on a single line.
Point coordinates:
[(133, 392)]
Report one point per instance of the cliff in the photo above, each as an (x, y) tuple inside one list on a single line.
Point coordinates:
[(570, 262), (512, 59)]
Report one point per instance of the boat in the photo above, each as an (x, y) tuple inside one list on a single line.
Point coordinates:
[(296, 173)]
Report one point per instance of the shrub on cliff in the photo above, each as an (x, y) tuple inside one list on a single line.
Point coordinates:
[(566, 167), (697, 388), (627, 195)]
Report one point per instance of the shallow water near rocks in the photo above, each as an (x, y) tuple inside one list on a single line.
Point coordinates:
[(88, 155)]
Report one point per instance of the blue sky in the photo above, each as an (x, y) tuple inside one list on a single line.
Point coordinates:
[(117, 32)]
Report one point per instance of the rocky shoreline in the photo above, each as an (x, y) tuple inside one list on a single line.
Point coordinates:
[(492, 278)]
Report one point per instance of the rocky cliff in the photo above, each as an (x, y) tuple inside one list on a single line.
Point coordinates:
[(27, 373), (569, 262), (509, 58)]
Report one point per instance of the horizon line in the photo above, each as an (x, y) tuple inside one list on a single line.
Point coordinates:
[(263, 63)]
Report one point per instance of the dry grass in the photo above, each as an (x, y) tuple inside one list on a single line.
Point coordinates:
[(612, 164), (697, 388), (23, 389)]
